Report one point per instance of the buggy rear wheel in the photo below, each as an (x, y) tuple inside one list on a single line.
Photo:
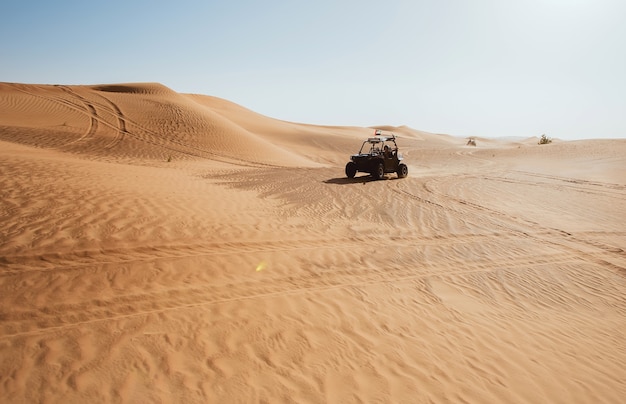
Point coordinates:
[(403, 171)]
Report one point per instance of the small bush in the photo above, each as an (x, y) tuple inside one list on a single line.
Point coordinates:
[(544, 139)]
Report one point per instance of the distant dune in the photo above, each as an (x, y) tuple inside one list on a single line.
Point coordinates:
[(167, 247)]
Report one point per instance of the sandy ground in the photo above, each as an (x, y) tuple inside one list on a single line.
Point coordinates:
[(166, 247)]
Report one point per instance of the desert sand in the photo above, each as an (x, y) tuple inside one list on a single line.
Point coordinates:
[(167, 247)]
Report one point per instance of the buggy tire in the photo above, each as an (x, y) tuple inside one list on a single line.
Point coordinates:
[(403, 171), (350, 170), (379, 172)]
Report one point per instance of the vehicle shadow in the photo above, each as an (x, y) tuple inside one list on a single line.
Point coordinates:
[(364, 179)]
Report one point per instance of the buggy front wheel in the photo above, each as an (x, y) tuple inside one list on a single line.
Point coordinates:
[(350, 170)]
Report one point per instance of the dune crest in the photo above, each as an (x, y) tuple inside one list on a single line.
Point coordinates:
[(134, 88)]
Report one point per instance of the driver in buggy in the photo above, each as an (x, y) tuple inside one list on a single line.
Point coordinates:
[(387, 152)]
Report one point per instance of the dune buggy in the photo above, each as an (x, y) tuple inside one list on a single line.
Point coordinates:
[(378, 156)]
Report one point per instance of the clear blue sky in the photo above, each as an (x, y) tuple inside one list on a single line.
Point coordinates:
[(463, 67)]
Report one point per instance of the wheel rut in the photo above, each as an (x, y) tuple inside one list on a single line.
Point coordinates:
[(520, 226), (58, 316)]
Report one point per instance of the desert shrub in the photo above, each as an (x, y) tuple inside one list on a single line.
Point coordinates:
[(544, 139)]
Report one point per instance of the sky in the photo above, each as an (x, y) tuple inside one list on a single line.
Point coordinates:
[(490, 68)]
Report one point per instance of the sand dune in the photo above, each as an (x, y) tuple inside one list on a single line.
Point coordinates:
[(166, 247)]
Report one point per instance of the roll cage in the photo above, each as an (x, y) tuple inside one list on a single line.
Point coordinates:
[(375, 146)]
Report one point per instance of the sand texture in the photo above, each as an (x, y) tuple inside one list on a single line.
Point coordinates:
[(167, 247)]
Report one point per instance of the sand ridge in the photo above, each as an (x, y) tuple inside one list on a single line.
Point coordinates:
[(157, 246)]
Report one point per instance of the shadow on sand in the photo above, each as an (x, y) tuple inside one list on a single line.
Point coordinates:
[(356, 180)]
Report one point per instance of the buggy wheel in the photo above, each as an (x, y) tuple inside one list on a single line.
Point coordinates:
[(403, 171), (379, 173), (350, 169)]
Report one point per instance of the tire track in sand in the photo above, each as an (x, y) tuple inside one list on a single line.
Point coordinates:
[(83, 106), (121, 123), (55, 317), (90, 110), (522, 227), (586, 187), (76, 260)]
